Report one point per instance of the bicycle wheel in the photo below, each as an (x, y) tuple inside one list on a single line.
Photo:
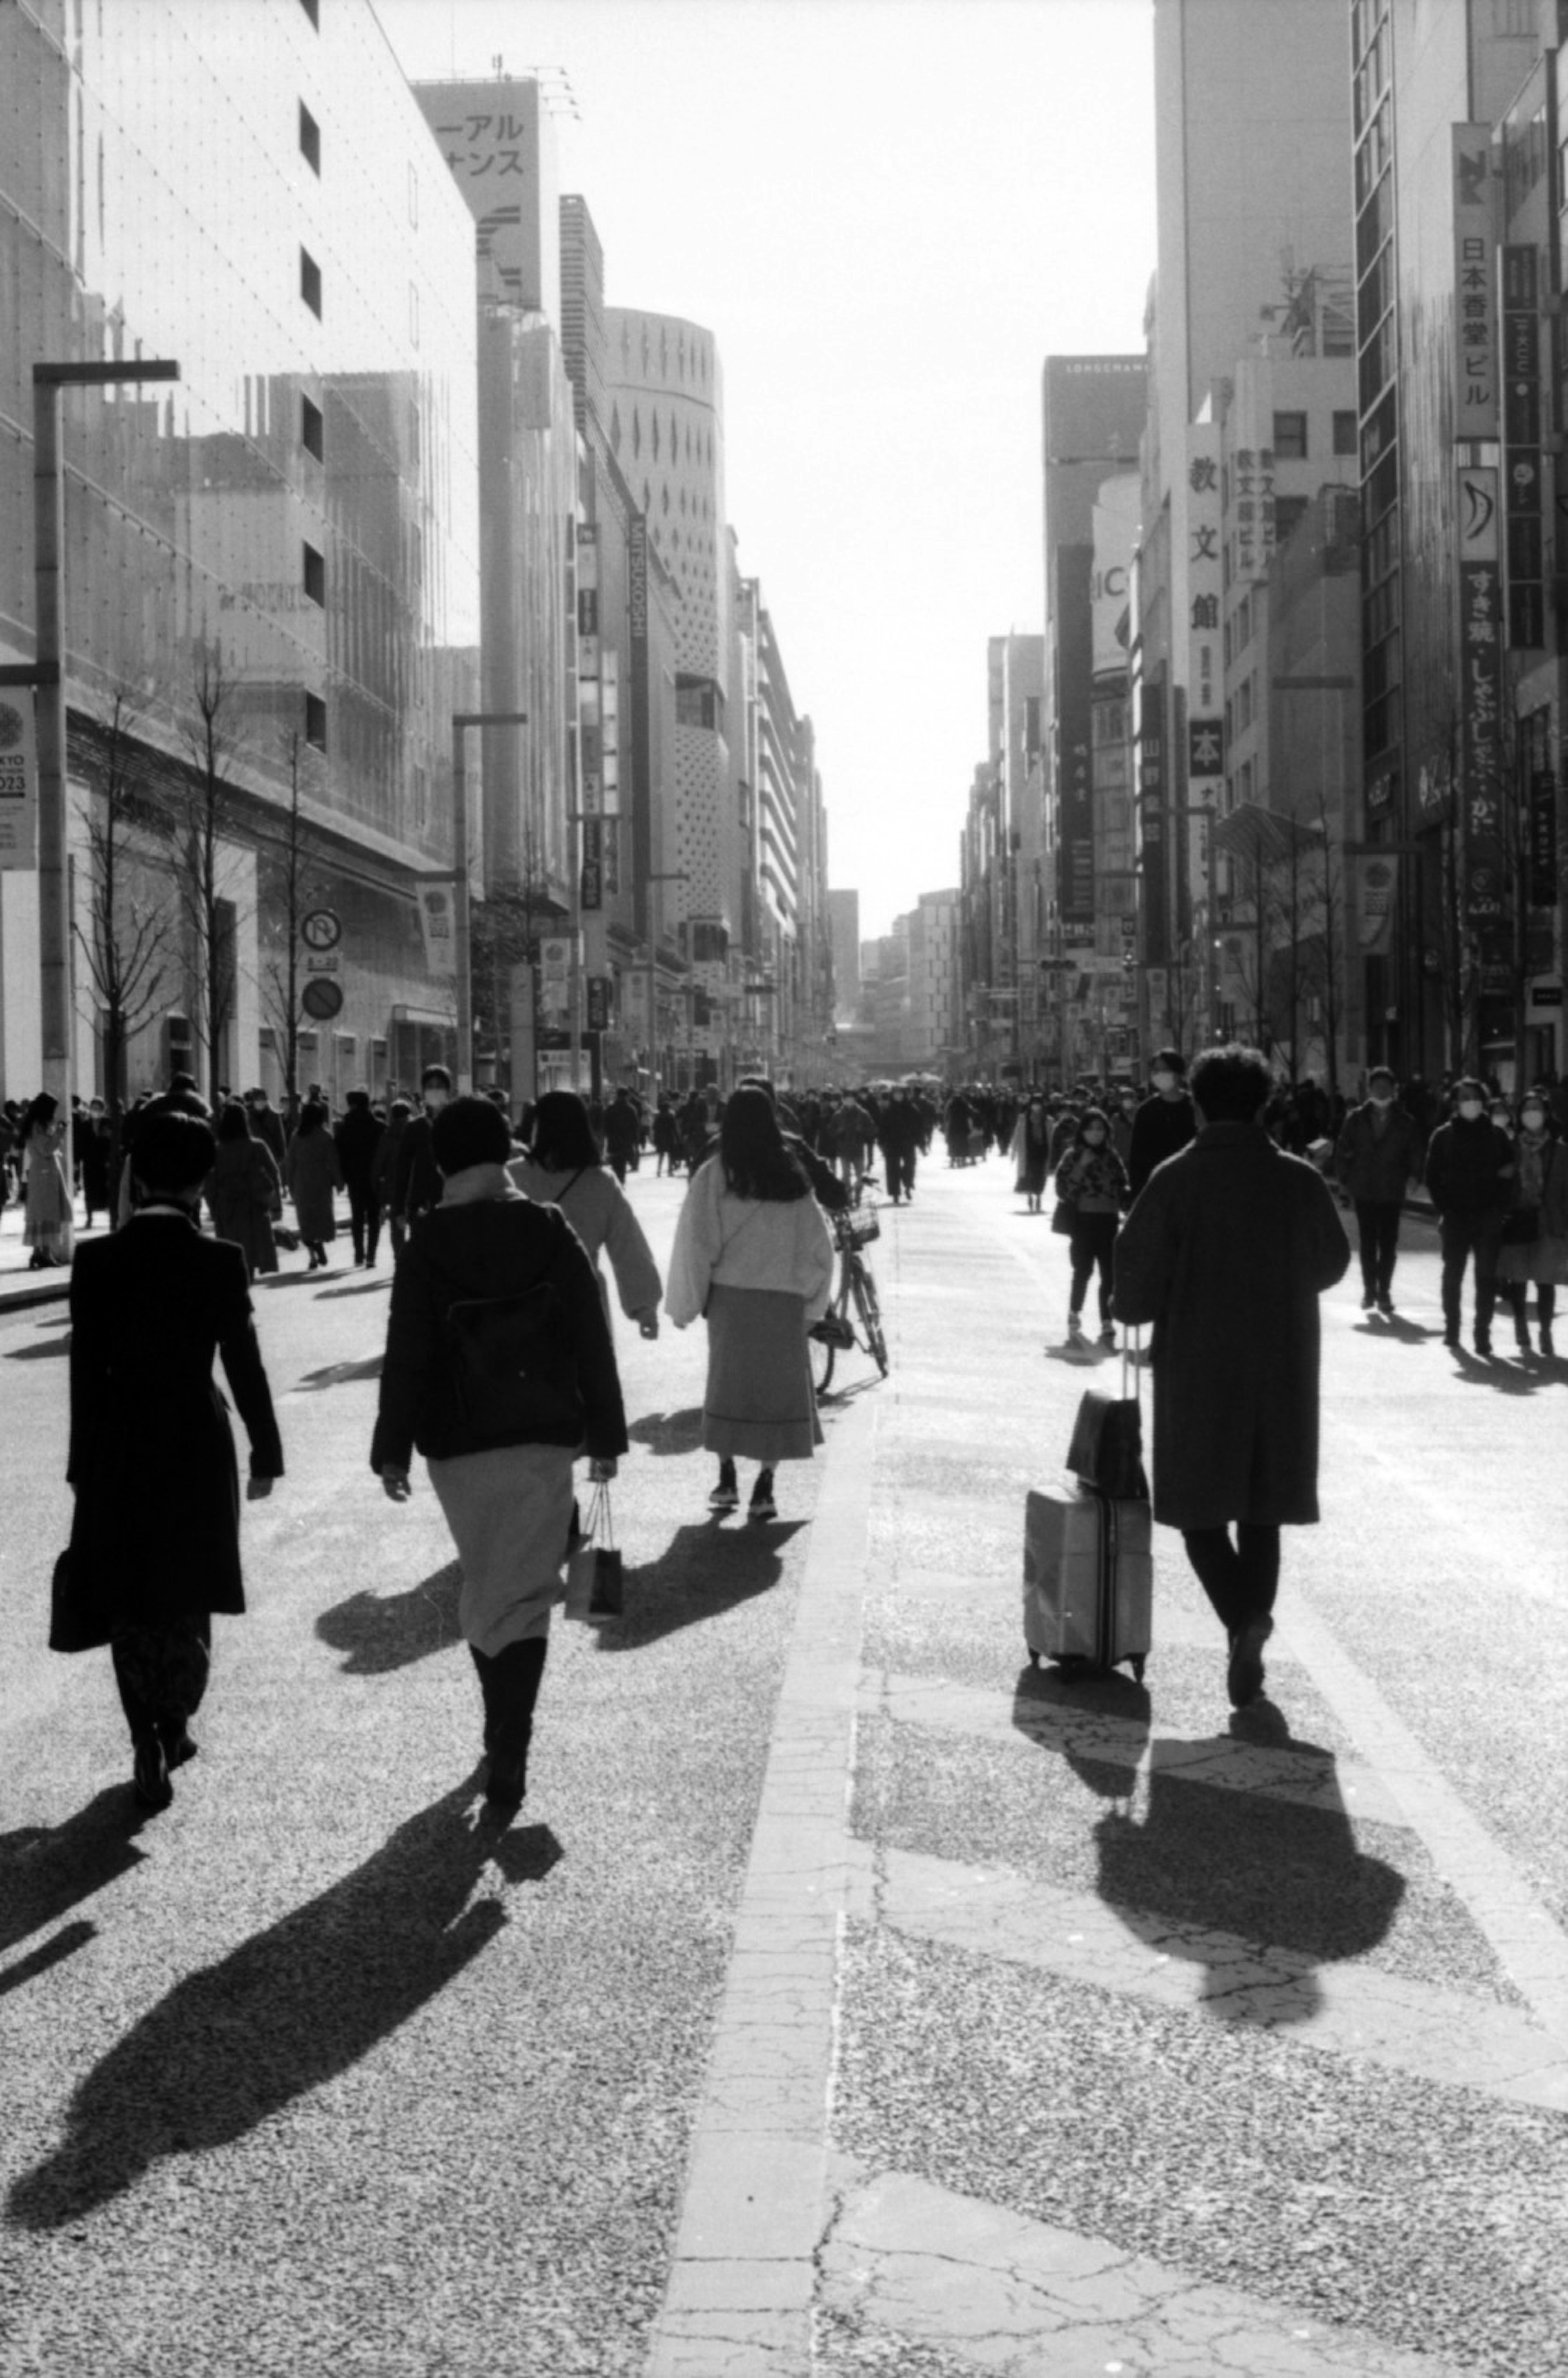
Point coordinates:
[(822, 1360), (870, 1315)]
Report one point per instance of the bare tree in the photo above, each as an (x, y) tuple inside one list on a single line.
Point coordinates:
[(504, 932), (128, 943), (200, 810)]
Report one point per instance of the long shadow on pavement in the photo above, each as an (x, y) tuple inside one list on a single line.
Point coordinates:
[(1206, 1858), (666, 1433), (339, 1375), (383, 1632), (703, 1572), (45, 1869), (288, 2010), (46, 1352)]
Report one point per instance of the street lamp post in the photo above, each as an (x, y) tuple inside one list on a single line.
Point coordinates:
[(45, 674), (461, 949)]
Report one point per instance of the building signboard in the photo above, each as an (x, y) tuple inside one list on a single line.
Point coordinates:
[(1523, 472), (593, 892), (1475, 340), (1116, 509), (1543, 839), (1153, 900), (495, 137), (598, 1003), (18, 783), (1480, 699), (435, 922), (1377, 885), (1075, 806)]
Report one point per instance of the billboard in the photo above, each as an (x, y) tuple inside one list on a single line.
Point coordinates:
[(1074, 711), (1476, 337), (1118, 509), (1480, 698), (499, 144), (435, 922), (18, 782)]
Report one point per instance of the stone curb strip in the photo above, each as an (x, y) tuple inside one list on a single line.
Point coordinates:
[(743, 2273)]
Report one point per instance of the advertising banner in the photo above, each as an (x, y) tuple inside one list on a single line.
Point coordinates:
[(490, 134), (1480, 698), (18, 782), (1476, 342), (1116, 511), (592, 864), (1523, 476), (1154, 899), (598, 1005), (1377, 883), (437, 925), (1543, 839), (1075, 807)]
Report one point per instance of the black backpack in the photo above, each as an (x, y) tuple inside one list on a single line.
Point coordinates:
[(512, 1365)]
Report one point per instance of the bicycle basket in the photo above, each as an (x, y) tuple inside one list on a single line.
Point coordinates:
[(862, 1226)]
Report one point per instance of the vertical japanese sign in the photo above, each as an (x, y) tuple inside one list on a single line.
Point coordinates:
[(435, 922), (1522, 443), (1253, 510), (590, 732), (592, 863), (1075, 664), (643, 863), (18, 783), (1480, 697), (490, 135), (1151, 820), (1543, 839), (1474, 284), (1205, 676)]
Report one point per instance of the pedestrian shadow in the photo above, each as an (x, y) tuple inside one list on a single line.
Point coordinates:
[(1088, 1356), (49, 1350), (1394, 1325), (49, 1954), (1493, 1370), (703, 1572), (354, 1288), (380, 1632), (288, 2010), (283, 1280), (1258, 1890), (339, 1375), (47, 1870), (667, 1433)]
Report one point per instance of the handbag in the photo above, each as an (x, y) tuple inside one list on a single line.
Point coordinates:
[(511, 1364), (1106, 1449), (1064, 1218), (595, 1577), (1523, 1227)]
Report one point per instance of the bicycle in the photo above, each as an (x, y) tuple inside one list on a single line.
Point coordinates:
[(836, 1333)]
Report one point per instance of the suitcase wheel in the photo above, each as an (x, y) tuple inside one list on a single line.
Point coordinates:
[(1137, 1665)]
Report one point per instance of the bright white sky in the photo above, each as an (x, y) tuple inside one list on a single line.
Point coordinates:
[(888, 211)]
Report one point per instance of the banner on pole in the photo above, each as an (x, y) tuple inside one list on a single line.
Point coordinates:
[(18, 783), (435, 922)]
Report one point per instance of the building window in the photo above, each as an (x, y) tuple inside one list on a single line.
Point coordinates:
[(312, 429), (1291, 437), (316, 721), (309, 138), (1344, 433), (310, 281), (1288, 515), (315, 574)]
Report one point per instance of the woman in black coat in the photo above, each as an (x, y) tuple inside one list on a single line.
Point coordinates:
[(499, 1369), (155, 1541)]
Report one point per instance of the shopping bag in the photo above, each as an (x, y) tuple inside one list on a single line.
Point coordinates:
[(1107, 1451), (595, 1574)]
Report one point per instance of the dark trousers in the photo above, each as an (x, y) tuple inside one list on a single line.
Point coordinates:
[(161, 1674), (1240, 1579), (1093, 1241), (1464, 1235), (900, 1164), (364, 1220), (619, 1163), (1377, 1225)]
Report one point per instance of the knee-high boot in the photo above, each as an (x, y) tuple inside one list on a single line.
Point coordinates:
[(511, 1680)]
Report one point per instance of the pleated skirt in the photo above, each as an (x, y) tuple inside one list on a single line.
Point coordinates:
[(509, 1511), (761, 1402)]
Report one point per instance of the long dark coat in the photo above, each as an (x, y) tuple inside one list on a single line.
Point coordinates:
[(157, 1529), (312, 1173), (1226, 1252), (242, 1191)]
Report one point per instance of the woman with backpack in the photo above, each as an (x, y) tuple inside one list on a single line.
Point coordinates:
[(1090, 1184), (564, 1169)]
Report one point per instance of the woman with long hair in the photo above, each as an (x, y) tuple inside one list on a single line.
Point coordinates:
[(1032, 1149), (242, 1190), (1092, 1180), (49, 1228), (313, 1174), (565, 1169), (754, 1257)]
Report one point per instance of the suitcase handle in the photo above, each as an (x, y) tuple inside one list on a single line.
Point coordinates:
[(1134, 1363)]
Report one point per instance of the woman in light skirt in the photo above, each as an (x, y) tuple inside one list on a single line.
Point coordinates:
[(49, 1228), (754, 1257)]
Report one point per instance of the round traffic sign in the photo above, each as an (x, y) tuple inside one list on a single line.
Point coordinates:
[(322, 998), (322, 929)]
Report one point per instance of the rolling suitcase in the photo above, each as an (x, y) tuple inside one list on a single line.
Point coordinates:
[(1088, 1554), (1088, 1577)]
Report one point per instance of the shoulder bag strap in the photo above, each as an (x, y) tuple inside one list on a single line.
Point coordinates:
[(569, 1185)]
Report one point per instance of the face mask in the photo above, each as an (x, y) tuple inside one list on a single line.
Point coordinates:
[(1470, 1109), (1533, 1119), (1163, 1081), (434, 1102), (1383, 1096)]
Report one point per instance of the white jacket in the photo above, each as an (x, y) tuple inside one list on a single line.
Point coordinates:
[(730, 1242), (600, 1212)]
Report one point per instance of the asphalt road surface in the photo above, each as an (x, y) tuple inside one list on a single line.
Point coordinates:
[(849, 1996)]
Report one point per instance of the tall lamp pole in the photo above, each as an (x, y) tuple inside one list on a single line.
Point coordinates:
[(45, 674), (462, 933)]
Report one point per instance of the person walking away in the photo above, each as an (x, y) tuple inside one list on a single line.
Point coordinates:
[(48, 1228), (1469, 1167), (753, 1256), (498, 1369), (267, 1125), (155, 1539), (1378, 1157), (243, 1191), (1226, 1252), (623, 1133), (1032, 1152), (1164, 1123), (383, 1171), (358, 1138), (1091, 1179), (313, 1174), (1535, 1232), (416, 1179), (957, 1124), (667, 1136), (564, 1169), (898, 1131)]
